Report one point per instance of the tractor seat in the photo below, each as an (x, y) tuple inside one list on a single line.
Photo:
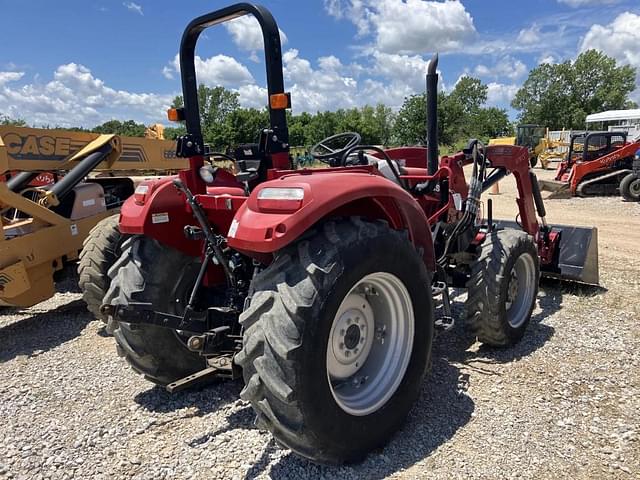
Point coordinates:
[(225, 190)]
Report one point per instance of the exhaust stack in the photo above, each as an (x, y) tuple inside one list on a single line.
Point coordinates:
[(432, 116)]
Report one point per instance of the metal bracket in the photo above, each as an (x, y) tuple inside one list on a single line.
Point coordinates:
[(189, 146), (209, 342), (142, 313), (198, 378)]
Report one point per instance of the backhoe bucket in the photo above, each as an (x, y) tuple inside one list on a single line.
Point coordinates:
[(558, 189), (577, 259)]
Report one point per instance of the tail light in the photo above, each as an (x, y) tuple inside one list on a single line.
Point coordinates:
[(141, 192), (281, 199)]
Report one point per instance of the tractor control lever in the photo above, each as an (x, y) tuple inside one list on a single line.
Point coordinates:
[(213, 241)]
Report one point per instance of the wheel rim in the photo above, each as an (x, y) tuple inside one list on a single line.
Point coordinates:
[(520, 290), (634, 188), (370, 343)]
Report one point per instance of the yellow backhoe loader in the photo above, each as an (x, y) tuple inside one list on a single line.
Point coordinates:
[(541, 147), (56, 187)]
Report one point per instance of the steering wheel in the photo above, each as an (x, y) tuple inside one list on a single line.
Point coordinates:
[(331, 149)]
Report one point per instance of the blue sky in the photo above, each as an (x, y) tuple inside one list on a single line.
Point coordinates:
[(84, 62)]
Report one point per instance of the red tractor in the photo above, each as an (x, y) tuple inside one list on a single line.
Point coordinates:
[(317, 285)]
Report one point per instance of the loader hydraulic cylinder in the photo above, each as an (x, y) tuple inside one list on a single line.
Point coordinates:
[(80, 171), (20, 180), (537, 196)]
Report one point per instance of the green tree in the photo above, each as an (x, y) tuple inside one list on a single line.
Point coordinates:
[(128, 128), (297, 125), (243, 126), (16, 122), (562, 95), (215, 105), (491, 122), (410, 125), (470, 92), (171, 133), (461, 115)]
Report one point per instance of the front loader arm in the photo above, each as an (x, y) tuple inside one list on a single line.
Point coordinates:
[(516, 160)]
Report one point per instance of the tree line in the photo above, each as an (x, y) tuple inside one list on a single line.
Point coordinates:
[(554, 95)]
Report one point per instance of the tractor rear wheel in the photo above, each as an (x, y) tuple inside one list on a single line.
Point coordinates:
[(164, 277), (503, 287), (100, 250), (337, 339), (630, 188)]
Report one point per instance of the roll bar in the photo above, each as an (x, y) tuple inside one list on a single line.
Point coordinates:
[(273, 62)]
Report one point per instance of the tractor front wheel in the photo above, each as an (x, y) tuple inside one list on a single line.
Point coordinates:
[(630, 188), (337, 339), (503, 287), (150, 272)]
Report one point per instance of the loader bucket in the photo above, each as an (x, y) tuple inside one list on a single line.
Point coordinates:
[(557, 189), (576, 258)]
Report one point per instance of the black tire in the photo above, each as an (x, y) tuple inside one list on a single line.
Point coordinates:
[(630, 188), (150, 272), (100, 250), (488, 318), (286, 331)]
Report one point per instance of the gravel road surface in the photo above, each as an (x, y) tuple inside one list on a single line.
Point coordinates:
[(564, 403)]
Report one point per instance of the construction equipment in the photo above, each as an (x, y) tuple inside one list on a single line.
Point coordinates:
[(630, 185), (527, 135), (543, 148), (49, 204), (596, 164), (317, 285)]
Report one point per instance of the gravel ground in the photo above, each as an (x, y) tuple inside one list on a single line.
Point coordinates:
[(563, 403)]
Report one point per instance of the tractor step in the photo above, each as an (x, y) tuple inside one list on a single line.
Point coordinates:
[(446, 321)]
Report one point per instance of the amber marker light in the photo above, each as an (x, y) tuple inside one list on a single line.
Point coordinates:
[(280, 101)]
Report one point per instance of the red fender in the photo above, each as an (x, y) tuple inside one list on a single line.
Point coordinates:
[(261, 227), (164, 212)]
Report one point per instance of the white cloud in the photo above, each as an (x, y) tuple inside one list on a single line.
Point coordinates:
[(585, 3), (217, 70), (318, 89), (529, 36), (507, 66), (620, 39), (500, 94), (168, 72), (75, 97), (356, 11), (407, 69), (549, 58), (134, 7), (6, 77), (408, 26), (247, 35), (252, 96)]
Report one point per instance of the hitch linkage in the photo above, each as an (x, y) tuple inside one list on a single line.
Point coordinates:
[(142, 313)]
